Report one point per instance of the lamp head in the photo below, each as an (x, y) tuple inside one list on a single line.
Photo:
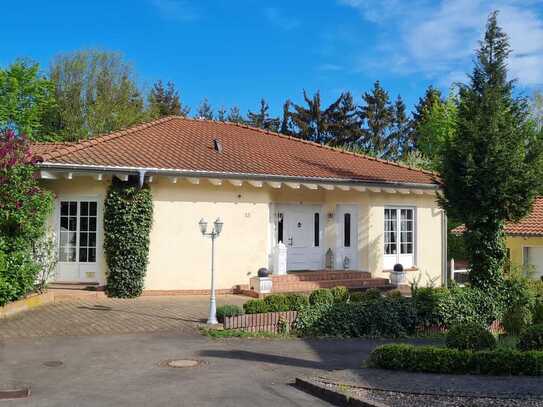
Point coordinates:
[(203, 226), (218, 226)]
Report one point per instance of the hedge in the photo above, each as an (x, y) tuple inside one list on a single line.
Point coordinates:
[(431, 359), (228, 310), (470, 336), (128, 216), (388, 317)]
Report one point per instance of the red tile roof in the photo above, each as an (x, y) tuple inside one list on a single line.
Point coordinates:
[(182, 144), (530, 225)]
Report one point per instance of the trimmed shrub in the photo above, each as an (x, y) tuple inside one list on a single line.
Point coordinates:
[(393, 294), (431, 359), (370, 295), (321, 296), (470, 336), (427, 302), (255, 307), (516, 319), (340, 294), (296, 302), (388, 317), (467, 304), (276, 303), (532, 338), (228, 310), (128, 216)]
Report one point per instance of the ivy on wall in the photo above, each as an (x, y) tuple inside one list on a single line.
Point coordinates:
[(128, 217)]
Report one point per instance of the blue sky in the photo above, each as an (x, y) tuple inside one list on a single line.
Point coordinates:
[(235, 52)]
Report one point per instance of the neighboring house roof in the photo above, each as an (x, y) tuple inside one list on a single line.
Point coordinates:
[(530, 225), (39, 149), (181, 144)]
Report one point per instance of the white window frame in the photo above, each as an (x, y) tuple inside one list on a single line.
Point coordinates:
[(406, 259)]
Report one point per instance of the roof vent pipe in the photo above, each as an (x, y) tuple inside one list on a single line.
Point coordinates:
[(142, 177), (217, 145)]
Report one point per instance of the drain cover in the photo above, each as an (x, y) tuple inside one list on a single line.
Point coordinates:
[(53, 363), (181, 363), (14, 393)]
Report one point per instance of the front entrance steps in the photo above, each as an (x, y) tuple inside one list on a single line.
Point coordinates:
[(69, 290), (307, 281)]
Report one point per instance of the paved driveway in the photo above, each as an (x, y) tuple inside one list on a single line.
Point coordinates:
[(113, 316)]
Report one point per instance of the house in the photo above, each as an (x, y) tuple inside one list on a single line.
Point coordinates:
[(266, 187), (524, 239)]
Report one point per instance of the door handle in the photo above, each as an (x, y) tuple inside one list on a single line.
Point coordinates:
[(290, 241)]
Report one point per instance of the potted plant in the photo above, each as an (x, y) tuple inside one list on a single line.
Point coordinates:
[(398, 276)]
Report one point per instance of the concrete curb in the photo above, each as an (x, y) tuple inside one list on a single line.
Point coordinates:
[(334, 397)]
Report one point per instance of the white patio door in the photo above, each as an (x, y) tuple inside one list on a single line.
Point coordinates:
[(347, 237), (399, 236), (77, 241), (300, 228)]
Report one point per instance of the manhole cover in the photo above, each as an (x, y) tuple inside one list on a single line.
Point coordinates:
[(14, 393), (53, 363), (181, 363)]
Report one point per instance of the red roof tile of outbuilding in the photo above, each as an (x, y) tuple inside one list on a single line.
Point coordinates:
[(182, 144)]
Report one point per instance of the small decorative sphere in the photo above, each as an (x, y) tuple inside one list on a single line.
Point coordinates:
[(398, 267), (263, 272)]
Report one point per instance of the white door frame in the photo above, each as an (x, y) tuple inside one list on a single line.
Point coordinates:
[(301, 258), (410, 260), (82, 271), (352, 251)]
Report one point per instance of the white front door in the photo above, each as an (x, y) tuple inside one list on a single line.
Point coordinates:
[(399, 237), (300, 228), (347, 237), (77, 241)]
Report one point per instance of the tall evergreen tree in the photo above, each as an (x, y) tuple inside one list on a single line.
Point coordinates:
[(420, 114), (205, 111), (312, 122), (378, 115), (286, 121), (398, 146), (492, 167), (262, 118), (221, 114), (345, 125), (165, 101), (234, 115)]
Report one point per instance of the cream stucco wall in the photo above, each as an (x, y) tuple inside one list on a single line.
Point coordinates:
[(179, 257)]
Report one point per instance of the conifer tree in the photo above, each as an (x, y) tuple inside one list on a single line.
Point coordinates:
[(286, 121), (262, 118), (165, 101), (234, 115), (205, 111), (420, 113), (398, 146), (221, 114), (492, 167), (377, 114), (345, 125)]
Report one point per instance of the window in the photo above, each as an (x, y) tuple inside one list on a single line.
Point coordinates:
[(316, 229), (347, 230), (78, 230), (402, 241), (280, 227)]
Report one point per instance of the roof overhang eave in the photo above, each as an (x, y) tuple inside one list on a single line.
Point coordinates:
[(226, 175)]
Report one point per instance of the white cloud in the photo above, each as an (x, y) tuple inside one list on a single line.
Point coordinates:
[(330, 67), (176, 10), (438, 38), (279, 19)]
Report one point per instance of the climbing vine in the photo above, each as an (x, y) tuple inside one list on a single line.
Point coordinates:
[(128, 217)]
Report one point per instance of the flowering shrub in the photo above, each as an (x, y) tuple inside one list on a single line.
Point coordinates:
[(24, 208), (45, 254)]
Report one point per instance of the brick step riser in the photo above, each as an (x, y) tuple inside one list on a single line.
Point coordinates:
[(308, 286), (322, 277)]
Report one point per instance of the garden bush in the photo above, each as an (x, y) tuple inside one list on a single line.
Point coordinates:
[(388, 317), (431, 359), (128, 216), (296, 302), (427, 302), (532, 338), (470, 336), (537, 313), (228, 310), (370, 295), (340, 294), (321, 296), (276, 303), (255, 307), (25, 207), (516, 319)]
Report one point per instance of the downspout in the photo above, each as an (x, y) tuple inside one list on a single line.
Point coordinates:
[(141, 177)]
